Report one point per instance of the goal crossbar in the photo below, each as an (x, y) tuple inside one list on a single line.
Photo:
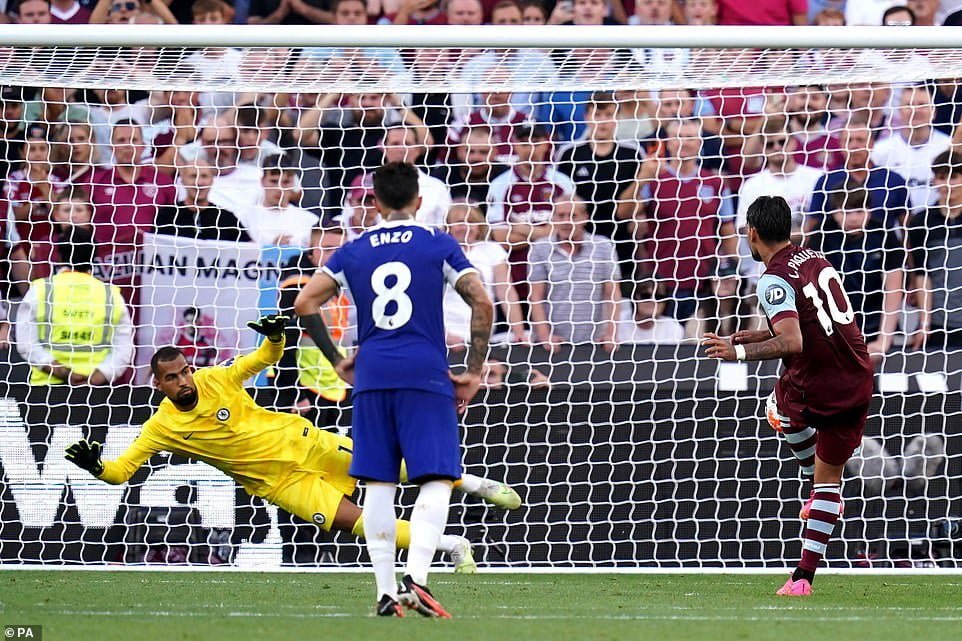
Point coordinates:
[(460, 36)]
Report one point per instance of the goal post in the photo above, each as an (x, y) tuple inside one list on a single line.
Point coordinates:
[(597, 177)]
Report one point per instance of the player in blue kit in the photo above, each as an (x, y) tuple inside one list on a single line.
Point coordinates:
[(406, 400)]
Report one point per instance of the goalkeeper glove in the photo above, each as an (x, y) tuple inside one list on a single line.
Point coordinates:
[(86, 456), (272, 326)]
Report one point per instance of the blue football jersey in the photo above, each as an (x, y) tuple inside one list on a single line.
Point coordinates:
[(396, 273)]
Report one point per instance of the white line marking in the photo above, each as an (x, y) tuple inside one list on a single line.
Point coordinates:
[(809, 616)]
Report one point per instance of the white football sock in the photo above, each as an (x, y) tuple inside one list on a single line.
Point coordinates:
[(427, 523), (448, 542), (471, 484), (379, 533)]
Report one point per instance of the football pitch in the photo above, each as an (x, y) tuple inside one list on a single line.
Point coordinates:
[(214, 606)]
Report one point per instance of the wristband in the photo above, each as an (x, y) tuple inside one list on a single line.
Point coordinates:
[(740, 352)]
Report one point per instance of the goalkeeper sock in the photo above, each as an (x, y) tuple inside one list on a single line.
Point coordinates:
[(402, 538), (447, 544), (826, 508), (380, 530), (427, 523), (801, 440)]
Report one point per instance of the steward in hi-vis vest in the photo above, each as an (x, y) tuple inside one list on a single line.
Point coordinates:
[(305, 378), (72, 327)]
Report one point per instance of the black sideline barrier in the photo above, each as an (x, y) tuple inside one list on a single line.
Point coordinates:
[(631, 460)]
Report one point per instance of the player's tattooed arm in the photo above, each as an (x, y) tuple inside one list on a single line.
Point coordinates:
[(471, 290), (775, 347), (746, 336), (786, 342)]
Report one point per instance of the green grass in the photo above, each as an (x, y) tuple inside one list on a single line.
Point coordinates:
[(210, 606)]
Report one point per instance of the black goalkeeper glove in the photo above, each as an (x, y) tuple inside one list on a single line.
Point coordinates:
[(272, 326), (86, 456)]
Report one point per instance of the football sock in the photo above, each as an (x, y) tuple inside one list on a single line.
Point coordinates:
[(428, 519), (380, 530), (801, 440), (826, 507), (800, 574), (447, 543), (470, 484), (402, 538)]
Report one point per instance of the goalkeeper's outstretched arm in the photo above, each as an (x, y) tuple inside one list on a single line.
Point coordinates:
[(86, 455)]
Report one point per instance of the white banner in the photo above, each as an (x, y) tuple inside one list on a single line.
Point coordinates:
[(198, 296)]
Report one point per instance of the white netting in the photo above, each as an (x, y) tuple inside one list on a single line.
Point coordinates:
[(204, 176), (312, 69)]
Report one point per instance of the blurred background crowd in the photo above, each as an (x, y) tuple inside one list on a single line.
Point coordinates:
[(595, 217)]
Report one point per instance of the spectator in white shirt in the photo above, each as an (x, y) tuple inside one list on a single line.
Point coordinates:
[(781, 176), (468, 226), (401, 144), (530, 67), (867, 13), (643, 319), (360, 212), (911, 148), (275, 221), (237, 186)]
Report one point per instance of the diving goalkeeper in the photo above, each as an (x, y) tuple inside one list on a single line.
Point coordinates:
[(282, 458)]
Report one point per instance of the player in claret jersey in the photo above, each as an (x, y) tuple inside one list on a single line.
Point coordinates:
[(822, 397)]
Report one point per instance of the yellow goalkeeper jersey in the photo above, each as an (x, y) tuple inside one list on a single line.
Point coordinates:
[(257, 447)]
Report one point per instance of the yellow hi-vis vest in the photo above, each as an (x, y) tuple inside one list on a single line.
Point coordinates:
[(317, 374), (314, 371), (76, 315)]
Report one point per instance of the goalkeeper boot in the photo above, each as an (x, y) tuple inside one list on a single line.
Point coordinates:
[(463, 558), (795, 588), (419, 598), (807, 507), (388, 607), (499, 495)]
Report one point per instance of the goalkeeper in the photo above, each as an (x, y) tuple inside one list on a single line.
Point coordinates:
[(208, 416)]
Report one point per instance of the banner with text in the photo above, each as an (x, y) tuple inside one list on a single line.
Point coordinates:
[(197, 295)]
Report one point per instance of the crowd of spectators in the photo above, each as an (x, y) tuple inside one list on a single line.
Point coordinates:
[(595, 217)]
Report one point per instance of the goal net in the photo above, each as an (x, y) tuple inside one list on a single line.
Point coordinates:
[(601, 191)]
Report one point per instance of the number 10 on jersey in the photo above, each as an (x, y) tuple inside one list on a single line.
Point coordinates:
[(835, 315)]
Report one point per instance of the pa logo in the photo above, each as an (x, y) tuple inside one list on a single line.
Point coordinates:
[(775, 294), (223, 414), (318, 519)]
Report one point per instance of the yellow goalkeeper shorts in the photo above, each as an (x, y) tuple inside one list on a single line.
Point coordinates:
[(314, 491), (309, 497)]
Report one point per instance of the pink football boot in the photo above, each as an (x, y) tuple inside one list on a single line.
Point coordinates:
[(795, 588)]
